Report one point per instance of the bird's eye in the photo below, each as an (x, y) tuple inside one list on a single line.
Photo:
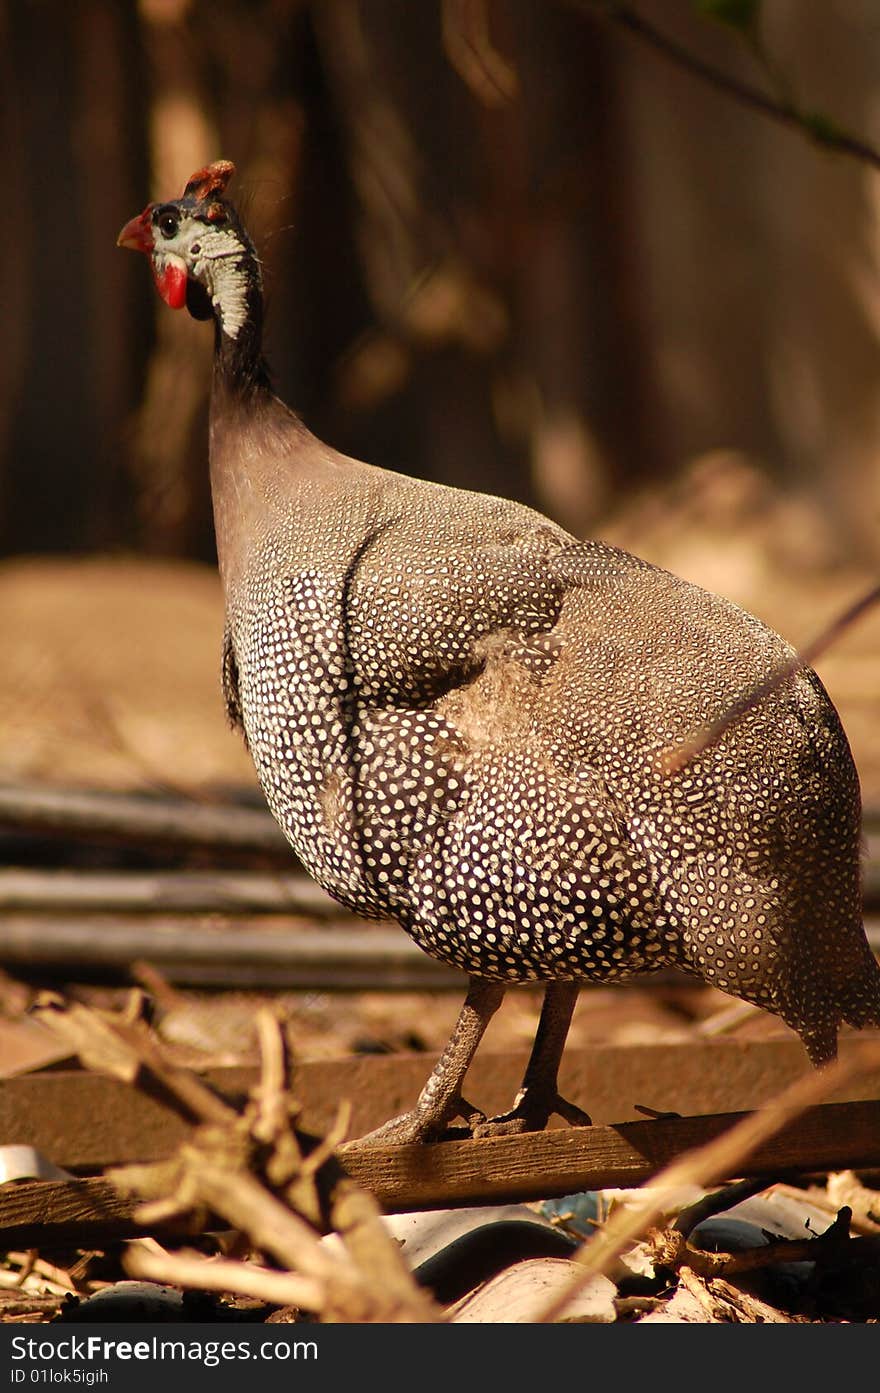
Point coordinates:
[(168, 225)]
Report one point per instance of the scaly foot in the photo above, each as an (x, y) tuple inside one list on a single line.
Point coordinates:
[(531, 1113), (420, 1125)]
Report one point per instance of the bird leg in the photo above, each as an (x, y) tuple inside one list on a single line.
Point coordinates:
[(440, 1100), (539, 1096)]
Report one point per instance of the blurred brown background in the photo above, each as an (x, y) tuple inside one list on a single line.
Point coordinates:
[(552, 265)]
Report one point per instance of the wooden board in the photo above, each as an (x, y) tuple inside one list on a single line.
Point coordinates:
[(85, 1122), (493, 1171), (82, 1121), (834, 1136)]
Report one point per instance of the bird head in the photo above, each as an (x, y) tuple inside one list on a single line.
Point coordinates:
[(200, 254)]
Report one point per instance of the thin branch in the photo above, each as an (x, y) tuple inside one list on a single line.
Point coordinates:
[(471, 52), (834, 1248), (189, 1269), (718, 1203), (815, 126)]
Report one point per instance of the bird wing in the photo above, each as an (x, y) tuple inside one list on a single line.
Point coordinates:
[(420, 619)]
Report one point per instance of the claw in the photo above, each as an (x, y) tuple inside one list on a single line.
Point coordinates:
[(571, 1113), (531, 1113)]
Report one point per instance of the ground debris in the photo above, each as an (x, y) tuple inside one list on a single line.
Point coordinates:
[(253, 1172), (280, 1232)]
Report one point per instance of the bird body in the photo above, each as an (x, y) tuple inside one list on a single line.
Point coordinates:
[(459, 716)]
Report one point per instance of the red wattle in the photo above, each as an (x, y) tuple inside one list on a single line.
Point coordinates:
[(171, 285)]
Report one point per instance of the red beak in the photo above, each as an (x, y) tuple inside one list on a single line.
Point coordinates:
[(137, 234)]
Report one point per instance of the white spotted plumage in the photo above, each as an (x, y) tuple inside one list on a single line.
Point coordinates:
[(486, 700), (458, 715)]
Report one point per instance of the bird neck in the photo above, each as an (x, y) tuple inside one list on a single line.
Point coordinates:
[(258, 446), (236, 294)]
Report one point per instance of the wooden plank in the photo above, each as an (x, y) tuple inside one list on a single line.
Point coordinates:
[(171, 822), (82, 1121), (497, 1170), (217, 891), (62, 1213), (221, 828), (834, 1136), (260, 952), (268, 952), (168, 892)]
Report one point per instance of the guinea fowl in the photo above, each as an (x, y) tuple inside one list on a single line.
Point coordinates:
[(458, 715)]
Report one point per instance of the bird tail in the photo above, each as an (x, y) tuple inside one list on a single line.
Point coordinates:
[(861, 1006), (853, 999)]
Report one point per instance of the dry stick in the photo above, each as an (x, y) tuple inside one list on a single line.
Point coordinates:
[(270, 1094), (245, 1204), (126, 1050), (33, 1282), (717, 1203), (354, 1213), (672, 1247), (672, 760), (208, 1170), (723, 1302), (705, 1166), (30, 1264), (834, 1246), (845, 1188), (188, 1269), (273, 1228)]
